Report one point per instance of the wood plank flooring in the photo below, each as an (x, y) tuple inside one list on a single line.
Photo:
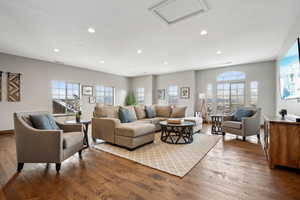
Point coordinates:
[(233, 169)]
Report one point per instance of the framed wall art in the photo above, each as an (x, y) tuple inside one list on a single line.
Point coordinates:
[(13, 87), (185, 93), (87, 90)]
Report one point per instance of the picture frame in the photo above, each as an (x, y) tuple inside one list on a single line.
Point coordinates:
[(87, 90), (92, 100), (161, 94), (185, 93)]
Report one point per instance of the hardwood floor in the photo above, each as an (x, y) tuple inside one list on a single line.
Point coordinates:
[(233, 169)]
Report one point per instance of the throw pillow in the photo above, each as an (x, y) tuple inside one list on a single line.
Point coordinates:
[(52, 122), (140, 111), (131, 111), (178, 112), (241, 113), (41, 121), (125, 116), (150, 112)]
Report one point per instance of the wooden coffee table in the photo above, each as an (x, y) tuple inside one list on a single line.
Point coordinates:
[(177, 133)]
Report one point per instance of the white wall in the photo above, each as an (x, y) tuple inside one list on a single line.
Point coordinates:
[(181, 79), (36, 85), (292, 106), (263, 72), (145, 82)]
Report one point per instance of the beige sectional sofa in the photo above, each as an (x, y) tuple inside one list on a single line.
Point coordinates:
[(106, 124)]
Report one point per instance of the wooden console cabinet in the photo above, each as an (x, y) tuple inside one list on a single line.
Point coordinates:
[(282, 142)]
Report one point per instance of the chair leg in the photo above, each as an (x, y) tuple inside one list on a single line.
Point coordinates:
[(244, 138), (258, 136), (80, 153), (58, 165), (20, 167)]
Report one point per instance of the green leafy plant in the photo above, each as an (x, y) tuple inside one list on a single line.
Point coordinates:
[(130, 99)]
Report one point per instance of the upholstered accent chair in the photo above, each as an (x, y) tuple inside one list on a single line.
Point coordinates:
[(246, 127), (45, 146)]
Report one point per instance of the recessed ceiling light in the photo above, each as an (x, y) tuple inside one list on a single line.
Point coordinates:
[(204, 32), (166, 63), (101, 61), (219, 52), (139, 51), (56, 50), (91, 30)]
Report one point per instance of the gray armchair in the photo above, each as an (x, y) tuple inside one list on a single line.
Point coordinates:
[(45, 146), (247, 127)]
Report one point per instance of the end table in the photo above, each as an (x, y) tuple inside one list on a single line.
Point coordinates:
[(85, 124), (216, 127)]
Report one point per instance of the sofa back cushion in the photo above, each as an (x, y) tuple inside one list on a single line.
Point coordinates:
[(178, 112), (106, 111), (150, 112), (131, 111), (163, 111), (140, 111)]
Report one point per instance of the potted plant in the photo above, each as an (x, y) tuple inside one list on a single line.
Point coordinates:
[(130, 99)]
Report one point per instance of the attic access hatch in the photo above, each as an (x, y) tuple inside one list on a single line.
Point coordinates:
[(173, 11)]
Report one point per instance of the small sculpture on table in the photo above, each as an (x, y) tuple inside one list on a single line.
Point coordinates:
[(283, 113)]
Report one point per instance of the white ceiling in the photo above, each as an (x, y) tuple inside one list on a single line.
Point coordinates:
[(245, 31)]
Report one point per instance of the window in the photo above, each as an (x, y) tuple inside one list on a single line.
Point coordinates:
[(63, 97), (209, 93), (140, 95), (173, 94), (230, 91), (253, 92), (105, 95)]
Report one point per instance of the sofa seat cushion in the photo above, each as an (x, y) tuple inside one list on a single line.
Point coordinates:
[(232, 124), (154, 121), (72, 138), (135, 129), (163, 111)]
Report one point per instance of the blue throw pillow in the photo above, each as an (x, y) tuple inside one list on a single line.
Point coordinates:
[(43, 122), (241, 113), (149, 112), (125, 116), (52, 122)]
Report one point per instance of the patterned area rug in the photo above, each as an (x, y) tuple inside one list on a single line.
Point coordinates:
[(171, 158)]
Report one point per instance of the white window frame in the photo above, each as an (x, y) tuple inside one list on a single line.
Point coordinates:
[(254, 88), (103, 93), (63, 93), (140, 95), (173, 94)]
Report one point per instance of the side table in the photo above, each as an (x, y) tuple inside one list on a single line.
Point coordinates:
[(85, 124), (216, 127)]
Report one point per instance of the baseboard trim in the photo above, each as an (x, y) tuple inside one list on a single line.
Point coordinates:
[(3, 132)]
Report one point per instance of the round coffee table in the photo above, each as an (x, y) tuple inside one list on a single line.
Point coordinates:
[(177, 133)]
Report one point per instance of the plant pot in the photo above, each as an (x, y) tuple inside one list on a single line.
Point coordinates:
[(77, 119)]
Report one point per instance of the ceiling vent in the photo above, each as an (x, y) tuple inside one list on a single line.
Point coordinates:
[(173, 11)]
